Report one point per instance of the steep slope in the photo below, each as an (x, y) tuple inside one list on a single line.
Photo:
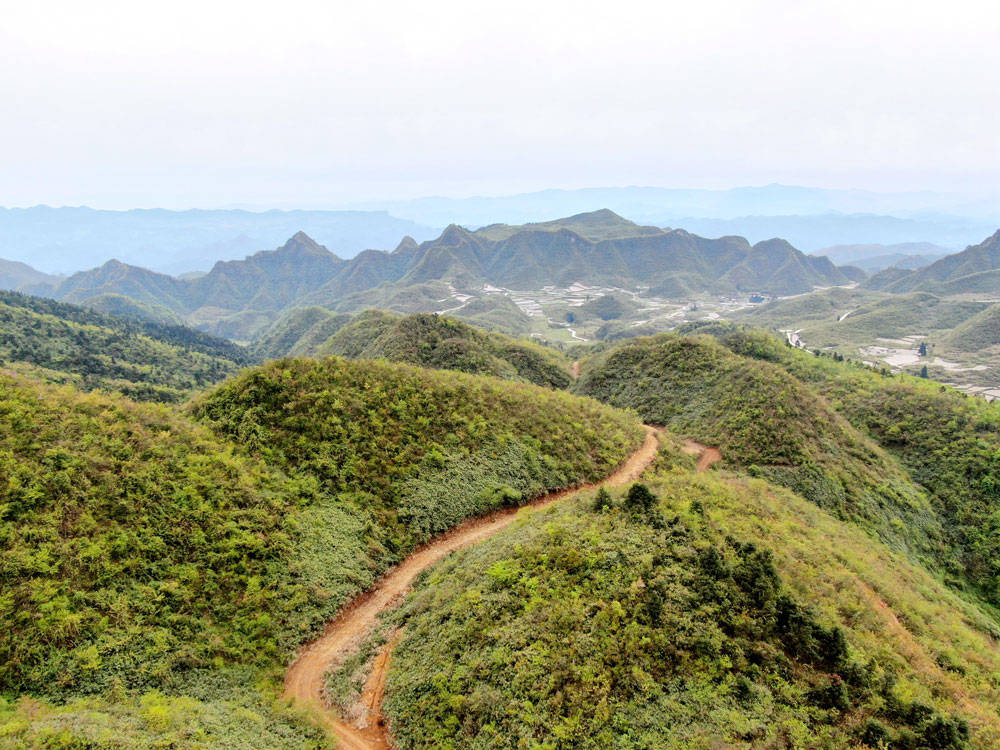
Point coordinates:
[(708, 613), (235, 298), (151, 362), (268, 280), (430, 340), (948, 444), (20, 277), (140, 550), (766, 421), (122, 306), (239, 298), (975, 269), (129, 539), (775, 267), (607, 249), (115, 277), (297, 333)]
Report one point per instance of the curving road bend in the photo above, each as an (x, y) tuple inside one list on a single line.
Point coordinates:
[(304, 680)]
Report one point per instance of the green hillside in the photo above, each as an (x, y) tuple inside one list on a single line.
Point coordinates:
[(947, 442), (431, 340), (975, 269), (494, 313), (844, 319), (425, 339), (767, 422), (979, 332), (298, 333), (714, 612), (607, 307), (136, 544), (119, 304), (141, 550), (151, 362), (832, 583)]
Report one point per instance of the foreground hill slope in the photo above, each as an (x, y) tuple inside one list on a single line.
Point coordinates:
[(147, 361), (714, 612), (143, 550), (131, 534)]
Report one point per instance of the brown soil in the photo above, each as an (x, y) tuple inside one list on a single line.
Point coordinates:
[(304, 680), (575, 370), (706, 456)]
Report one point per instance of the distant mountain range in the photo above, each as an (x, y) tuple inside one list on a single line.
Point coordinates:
[(974, 270), (647, 203), (63, 240), (239, 298), (809, 218), (873, 258)]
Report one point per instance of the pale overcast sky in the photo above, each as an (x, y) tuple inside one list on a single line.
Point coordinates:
[(314, 104)]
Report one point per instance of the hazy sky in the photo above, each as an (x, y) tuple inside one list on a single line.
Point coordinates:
[(314, 104)]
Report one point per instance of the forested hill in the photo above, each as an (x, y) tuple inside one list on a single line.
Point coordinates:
[(424, 339), (65, 343), (160, 566), (239, 298), (904, 458)]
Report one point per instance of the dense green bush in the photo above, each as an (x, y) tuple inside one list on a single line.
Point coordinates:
[(152, 720), (370, 427), (136, 545), (445, 343), (132, 544), (146, 361), (768, 422), (949, 444), (582, 629)]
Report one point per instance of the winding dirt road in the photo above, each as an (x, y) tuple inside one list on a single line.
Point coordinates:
[(304, 679), (706, 456)]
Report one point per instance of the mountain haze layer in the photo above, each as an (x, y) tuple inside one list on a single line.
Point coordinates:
[(70, 239)]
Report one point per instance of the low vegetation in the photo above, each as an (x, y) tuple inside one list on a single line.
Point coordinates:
[(768, 423), (646, 619), (423, 339), (143, 550), (947, 442)]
